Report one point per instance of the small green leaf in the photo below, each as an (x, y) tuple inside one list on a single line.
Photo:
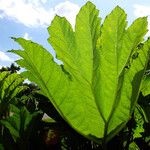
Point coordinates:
[(139, 116), (133, 146)]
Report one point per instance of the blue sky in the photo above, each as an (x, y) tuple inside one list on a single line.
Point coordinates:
[(30, 19)]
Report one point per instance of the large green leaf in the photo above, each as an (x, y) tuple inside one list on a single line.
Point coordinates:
[(96, 88)]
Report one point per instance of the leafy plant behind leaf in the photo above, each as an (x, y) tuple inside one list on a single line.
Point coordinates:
[(145, 88), (19, 121), (96, 88), (1, 147), (140, 118), (10, 86)]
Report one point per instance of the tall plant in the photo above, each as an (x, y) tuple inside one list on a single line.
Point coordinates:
[(96, 88)]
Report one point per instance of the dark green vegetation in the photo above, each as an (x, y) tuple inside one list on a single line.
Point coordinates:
[(95, 99)]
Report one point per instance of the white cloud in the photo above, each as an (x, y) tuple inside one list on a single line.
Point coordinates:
[(0, 66), (67, 9), (43, 1), (32, 14), (141, 11), (26, 36), (25, 12), (37, 2), (4, 57)]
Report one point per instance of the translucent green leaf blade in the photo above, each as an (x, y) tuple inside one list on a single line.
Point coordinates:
[(96, 88), (109, 47), (71, 96), (133, 36), (63, 41), (87, 31), (116, 91), (130, 88)]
